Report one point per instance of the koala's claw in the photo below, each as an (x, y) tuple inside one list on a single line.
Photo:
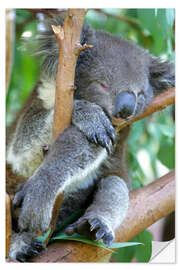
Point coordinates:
[(102, 231), (30, 252), (24, 247), (95, 124), (103, 136), (93, 229)]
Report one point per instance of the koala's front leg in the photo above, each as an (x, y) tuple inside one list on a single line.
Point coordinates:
[(106, 213), (70, 160)]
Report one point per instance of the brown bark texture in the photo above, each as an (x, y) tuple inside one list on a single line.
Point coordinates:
[(147, 205), (68, 38), (8, 223)]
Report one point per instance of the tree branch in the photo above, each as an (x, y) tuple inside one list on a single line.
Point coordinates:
[(159, 103), (147, 205), (118, 17), (68, 38)]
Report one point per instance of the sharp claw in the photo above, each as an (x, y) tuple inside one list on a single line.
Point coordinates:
[(112, 136), (108, 239), (38, 245), (94, 223), (108, 148), (99, 235), (35, 252), (92, 228)]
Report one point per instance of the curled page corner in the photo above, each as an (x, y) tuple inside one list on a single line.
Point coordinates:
[(163, 252)]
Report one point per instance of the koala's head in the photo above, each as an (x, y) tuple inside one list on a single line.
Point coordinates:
[(118, 75), (115, 74)]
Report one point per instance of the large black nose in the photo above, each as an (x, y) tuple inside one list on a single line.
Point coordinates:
[(125, 105)]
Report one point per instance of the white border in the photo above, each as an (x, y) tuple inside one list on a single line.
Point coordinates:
[(77, 4)]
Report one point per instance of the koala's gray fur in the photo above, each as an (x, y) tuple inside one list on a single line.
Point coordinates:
[(87, 150)]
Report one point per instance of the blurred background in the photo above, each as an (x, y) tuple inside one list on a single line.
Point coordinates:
[(152, 141)]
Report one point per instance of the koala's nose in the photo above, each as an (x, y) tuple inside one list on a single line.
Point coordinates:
[(125, 105)]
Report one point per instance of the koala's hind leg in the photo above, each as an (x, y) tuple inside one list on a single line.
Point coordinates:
[(107, 211)]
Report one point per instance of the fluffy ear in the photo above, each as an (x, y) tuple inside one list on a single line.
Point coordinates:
[(161, 75)]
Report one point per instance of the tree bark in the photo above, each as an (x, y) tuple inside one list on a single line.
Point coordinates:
[(8, 223), (68, 38)]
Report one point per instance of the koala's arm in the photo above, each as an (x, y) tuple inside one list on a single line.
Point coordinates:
[(34, 128), (72, 162)]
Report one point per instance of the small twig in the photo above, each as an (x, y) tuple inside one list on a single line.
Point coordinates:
[(79, 48), (118, 17)]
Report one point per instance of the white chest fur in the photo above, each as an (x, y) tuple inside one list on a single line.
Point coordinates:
[(46, 92)]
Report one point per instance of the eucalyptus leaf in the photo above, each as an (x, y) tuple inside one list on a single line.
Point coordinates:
[(81, 238)]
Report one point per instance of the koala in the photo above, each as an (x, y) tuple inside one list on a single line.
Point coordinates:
[(88, 161)]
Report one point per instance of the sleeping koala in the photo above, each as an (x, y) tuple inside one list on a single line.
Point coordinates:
[(87, 162)]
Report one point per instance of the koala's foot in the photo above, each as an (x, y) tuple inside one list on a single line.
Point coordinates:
[(24, 247), (92, 228)]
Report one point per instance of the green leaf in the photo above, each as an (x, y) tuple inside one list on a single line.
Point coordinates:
[(166, 153), (124, 254), (143, 253), (81, 238), (124, 244)]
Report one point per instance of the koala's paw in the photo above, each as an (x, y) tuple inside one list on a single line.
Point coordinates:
[(94, 123), (23, 247), (93, 228), (102, 133), (35, 214)]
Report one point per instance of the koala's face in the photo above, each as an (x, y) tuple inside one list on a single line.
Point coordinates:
[(115, 74)]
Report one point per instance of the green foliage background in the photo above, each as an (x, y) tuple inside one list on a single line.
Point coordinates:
[(152, 139)]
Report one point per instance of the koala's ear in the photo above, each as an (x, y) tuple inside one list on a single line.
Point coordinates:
[(161, 75)]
